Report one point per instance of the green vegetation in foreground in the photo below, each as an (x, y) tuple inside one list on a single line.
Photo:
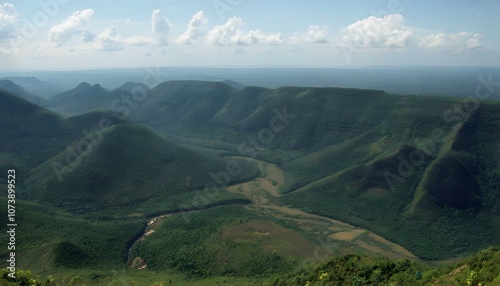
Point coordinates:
[(483, 268), (124, 276)]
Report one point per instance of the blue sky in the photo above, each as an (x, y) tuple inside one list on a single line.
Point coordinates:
[(76, 34)]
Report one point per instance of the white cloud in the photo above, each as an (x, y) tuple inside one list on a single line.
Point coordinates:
[(457, 42), (161, 26), (314, 34), (72, 26), (194, 31), (8, 18), (108, 40), (373, 32), (138, 41), (390, 32), (230, 34)]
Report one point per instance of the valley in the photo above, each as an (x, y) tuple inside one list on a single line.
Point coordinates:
[(326, 237), (333, 236), (203, 182)]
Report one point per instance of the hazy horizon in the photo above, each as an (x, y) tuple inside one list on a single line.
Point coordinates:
[(66, 35)]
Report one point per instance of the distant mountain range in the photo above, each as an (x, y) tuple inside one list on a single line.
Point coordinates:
[(417, 80), (35, 86)]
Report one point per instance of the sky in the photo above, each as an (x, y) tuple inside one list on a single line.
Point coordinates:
[(78, 34)]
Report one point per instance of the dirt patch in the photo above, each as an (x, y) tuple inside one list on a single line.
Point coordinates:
[(348, 235), (271, 237), (296, 212), (456, 271), (260, 189), (395, 247), (378, 250)]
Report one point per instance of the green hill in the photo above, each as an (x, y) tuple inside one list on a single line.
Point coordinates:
[(30, 132), (97, 160), (130, 164)]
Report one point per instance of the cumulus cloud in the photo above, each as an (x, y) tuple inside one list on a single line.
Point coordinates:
[(194, 31), (230, 34), (384, 32), (314, 34), (108, 40), (161, 26), (8, 18), (390, 32), (73, 26)]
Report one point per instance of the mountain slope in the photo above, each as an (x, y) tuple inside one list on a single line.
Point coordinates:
[(29, 131), (11, 87), (125, 164), (99, 160), (35, 86), (132, 87)]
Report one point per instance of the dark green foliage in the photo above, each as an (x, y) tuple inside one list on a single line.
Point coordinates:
[(354, 155), (445, 191), (70, 255), (191, 243), (47, 237), (130, 165), (364, 270)]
